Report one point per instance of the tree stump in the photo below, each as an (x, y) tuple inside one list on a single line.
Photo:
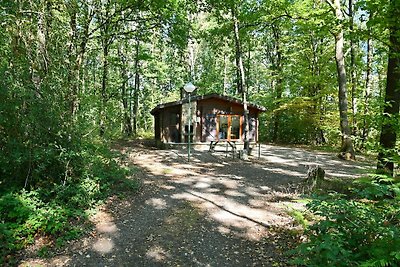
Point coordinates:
[(315, 176), (346, 156)]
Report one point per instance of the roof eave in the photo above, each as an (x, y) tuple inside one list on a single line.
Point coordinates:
[(203, 97)]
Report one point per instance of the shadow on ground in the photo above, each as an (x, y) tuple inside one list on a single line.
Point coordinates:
[(213, 211)]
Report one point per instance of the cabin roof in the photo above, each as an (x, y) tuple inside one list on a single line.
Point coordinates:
[(204, 97)]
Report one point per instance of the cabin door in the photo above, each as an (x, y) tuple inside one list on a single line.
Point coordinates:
[(229, 127)]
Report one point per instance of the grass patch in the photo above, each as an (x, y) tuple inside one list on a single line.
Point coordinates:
[(298, 216)]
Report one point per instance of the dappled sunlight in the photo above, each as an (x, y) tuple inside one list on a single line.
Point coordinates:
[(231, 214), (234, 193), (265, 188), (103, 245), (168, 187), (162, 167), (295, 157), (238, 226), (106, 227), (228, 198), (284, 171), (257, 203), (252, 191), (186, 196), (235, 199), (54, 262), (157, 253), (157, 203), (224, 230), (231, 204), (106, 232), (201, 185), (280, 160), (212, 190), (258, 214), (340, 175), (227, 183)]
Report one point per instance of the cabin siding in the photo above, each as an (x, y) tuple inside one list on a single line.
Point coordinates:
[(211, 108), (170, 125), (213, 119)]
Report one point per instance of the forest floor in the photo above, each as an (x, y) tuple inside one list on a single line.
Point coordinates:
[(213, 211)]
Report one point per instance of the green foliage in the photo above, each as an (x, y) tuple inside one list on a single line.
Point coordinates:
[(377, 187), (58, 210), (298, 216), (362, 231), (25, 216), (70, 70)]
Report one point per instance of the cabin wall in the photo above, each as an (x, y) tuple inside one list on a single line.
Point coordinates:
[(209, 110), (157, 127), (170, 124)]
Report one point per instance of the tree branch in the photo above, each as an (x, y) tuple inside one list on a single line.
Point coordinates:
[(331, 4)]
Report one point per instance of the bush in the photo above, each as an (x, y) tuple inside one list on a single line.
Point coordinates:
[(57, 210), (362, 231)]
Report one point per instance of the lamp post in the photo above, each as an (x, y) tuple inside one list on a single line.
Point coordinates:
[(189, 88)]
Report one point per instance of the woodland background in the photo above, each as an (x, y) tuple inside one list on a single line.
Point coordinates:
[(75, 75)]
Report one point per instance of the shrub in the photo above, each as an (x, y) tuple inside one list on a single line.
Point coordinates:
[(57, 210), (362, 231)]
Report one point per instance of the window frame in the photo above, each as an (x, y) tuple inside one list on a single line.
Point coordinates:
[(229, 129)]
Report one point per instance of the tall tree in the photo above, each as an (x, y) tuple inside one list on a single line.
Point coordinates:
[(106, 41), (127, 123), (347, 150), (81, 16), (388, 136), (277, 84), (367, 91), (241, 75), (353, 80)]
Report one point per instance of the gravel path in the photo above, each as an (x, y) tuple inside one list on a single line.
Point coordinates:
[(213, 211)]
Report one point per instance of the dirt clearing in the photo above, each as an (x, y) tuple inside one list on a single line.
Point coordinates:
[(213, 211)]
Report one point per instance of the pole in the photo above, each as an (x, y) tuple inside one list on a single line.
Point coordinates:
[(190, 122)]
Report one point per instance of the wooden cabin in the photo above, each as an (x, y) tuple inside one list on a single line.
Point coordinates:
[(215, 118)]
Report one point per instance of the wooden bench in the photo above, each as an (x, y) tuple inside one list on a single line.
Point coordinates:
[(232, 144)]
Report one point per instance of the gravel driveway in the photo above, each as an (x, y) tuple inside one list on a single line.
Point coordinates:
[(213, 211)]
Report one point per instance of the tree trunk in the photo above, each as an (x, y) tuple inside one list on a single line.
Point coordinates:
[(104, 89), (225, 73), (365, 128), (79, 36), (241, 79), (347, 150), (136, 88), (74, 69), (277, 73), (127, 125), (388, 135), (353, 81), (106, 42)]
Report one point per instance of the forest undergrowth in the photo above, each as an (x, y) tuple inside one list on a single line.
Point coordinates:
[(53, 213), (357, 225)]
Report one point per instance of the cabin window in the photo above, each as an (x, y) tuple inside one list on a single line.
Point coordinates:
[(223, 127), (229, 127)]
